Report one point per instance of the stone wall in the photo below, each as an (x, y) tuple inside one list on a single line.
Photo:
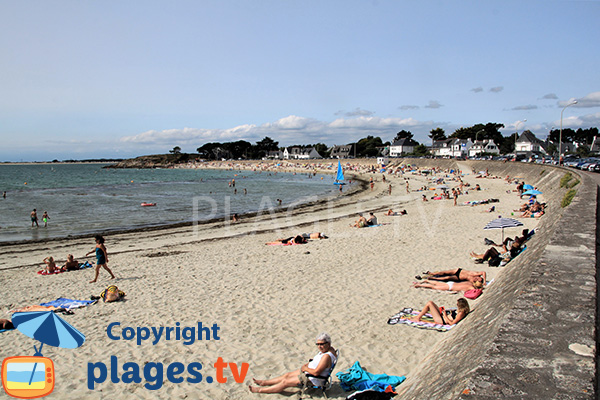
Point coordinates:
[(532, 334)]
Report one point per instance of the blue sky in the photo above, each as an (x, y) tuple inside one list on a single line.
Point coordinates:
[(82, 79)]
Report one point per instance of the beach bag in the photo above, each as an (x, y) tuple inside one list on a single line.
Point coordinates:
[(473, 293)]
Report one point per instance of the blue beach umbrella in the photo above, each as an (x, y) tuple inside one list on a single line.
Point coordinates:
[(527, 187), (48, 328), (532, 192)]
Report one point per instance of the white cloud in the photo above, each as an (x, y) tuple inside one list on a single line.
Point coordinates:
[(289, 130), (589, 101), (583, 121), (409, 107), (497, 89)]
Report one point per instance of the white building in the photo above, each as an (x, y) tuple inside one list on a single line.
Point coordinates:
[(298, 153), (528, 143), (483, 146), (402, 146)]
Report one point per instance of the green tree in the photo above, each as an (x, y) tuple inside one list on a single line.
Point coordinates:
[(367, 147), (420, 150), (175, 150), (437, 134), (508, 145), (583, 151), (403, 135)]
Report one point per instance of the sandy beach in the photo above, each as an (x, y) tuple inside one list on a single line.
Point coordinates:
[(269, 302)]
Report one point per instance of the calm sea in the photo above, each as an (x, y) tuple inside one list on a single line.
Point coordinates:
[(86, 198)]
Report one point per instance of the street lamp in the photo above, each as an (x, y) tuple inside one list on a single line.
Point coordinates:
[(560, 134), (517, 135)]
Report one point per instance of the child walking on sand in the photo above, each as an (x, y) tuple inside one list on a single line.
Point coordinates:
[(101, 257)]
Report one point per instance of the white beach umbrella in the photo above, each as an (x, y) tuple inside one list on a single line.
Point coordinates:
[(501, 223)]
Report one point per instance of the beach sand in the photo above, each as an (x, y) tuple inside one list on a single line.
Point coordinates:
[(269, 302)]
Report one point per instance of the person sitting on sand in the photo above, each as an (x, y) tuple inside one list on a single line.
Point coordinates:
[(71, 264), (298, 239), (50, 265), (449, 286), (316, 371), (441, 316), (361, 222), (455, 275), (495, 257), (372, 220)]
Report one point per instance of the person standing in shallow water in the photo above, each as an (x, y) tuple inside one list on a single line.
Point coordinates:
[(101, 258), (45, 218), (34, 218)]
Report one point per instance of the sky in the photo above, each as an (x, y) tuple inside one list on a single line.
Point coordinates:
[(119, 79)]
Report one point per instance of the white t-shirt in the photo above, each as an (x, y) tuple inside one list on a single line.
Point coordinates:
[(315, 363)]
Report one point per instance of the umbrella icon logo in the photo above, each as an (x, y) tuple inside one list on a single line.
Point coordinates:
[(33, 377)]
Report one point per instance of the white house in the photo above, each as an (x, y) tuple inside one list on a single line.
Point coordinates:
[(298, 153), (483, 146), (460, 147), (402, 146), (442, 148), (344, 151), (527, 143)]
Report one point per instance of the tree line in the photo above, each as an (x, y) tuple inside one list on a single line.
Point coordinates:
[(371, 146)]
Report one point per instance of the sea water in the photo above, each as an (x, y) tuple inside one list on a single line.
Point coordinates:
[(87, 198)]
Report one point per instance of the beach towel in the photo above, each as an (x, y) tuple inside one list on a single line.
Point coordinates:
[(85, 265), (68, 304), (353, 376), (402, 318), (290, 243), (56, 271)]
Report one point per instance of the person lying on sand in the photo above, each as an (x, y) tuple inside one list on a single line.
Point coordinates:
[(455, 275), (319, 368), (391, 212), (6, 324), (298, 239), (449, 286), (441, 316), (315, 235), (494, 256)]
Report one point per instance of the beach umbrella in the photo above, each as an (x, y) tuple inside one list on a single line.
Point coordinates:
[(48, 328), (527, 187), (501, 223), (532, 192)]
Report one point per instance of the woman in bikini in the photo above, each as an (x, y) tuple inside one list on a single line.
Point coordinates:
[(450, 286), (455, 275), (440, 316)]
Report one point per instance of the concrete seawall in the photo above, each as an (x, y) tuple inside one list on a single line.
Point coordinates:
[(532, 334)]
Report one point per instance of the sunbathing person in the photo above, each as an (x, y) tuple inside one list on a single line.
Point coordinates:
[(50, 265), (71, 264), (6, 324), (390, 212), (315, 235), (298, 239), (112, 293), (372, 220), (441, 316), (495, 257), (361, 222), (455, 275), (316, 371), (450, 286), (532, 214)]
